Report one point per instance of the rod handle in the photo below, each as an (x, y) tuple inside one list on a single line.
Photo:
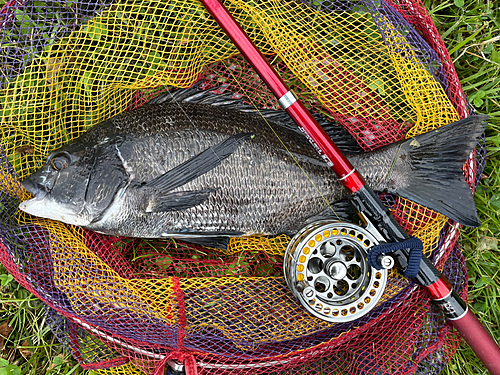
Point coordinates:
[(479, 340)]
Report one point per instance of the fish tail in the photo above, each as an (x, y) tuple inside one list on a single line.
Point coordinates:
[(436, 159)]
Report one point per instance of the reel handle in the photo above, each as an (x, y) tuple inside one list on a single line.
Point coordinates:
[(363, 197)]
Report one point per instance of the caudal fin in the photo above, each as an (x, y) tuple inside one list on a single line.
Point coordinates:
[(436, 179)]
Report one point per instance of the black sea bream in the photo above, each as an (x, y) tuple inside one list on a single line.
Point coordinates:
[(182, 169)]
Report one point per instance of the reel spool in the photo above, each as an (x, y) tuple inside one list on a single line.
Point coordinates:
[(326, 268)]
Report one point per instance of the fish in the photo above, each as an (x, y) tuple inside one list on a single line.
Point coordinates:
[(202, 168)]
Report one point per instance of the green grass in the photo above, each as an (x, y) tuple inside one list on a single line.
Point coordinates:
[(30, 347), (471, 31)]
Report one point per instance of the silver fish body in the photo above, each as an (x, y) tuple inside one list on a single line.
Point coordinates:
[(187, 170)]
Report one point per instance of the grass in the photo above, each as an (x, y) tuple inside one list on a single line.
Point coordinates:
[(471, 31), (29, 346)]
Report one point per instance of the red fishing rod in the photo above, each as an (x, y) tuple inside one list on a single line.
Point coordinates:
[(362, 196)]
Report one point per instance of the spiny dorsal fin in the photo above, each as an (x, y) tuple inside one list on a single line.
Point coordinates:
[(344, 141)]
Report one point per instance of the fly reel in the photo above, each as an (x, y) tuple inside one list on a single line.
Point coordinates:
[(326, 268)]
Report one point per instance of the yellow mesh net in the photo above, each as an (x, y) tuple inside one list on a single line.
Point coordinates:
[(91, 75)]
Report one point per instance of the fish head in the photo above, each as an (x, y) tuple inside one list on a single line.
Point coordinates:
[(60, 186)]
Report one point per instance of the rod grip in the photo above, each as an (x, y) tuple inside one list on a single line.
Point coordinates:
[(479, 340)]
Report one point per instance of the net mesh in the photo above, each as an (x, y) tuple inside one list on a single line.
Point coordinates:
[(127, 306)]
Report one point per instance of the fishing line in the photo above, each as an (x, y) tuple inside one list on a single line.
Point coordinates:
[(393, 164), (191, 121), (281, 141)]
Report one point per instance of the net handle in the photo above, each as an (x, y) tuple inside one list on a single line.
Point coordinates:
[(362, 196)]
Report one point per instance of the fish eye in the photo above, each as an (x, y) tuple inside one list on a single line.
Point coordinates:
[(59, 162)]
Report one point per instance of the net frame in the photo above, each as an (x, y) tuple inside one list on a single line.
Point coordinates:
[(445, 246)]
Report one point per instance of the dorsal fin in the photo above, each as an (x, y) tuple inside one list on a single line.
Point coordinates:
[(344, 141)]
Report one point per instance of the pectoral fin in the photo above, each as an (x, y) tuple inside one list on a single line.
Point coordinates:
[(179, 201), (197, 165)]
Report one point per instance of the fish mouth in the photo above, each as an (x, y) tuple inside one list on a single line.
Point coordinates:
[(38, 190)]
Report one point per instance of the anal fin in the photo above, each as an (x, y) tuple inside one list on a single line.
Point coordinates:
[(217, 242), (341, 210)]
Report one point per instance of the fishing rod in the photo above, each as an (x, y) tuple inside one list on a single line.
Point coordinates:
[(363, 198)]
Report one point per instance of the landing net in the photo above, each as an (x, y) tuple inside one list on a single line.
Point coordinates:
[(126, 306)]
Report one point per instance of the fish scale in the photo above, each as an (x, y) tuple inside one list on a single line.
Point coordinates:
[(247, 203), (193, 170), (251, 201)]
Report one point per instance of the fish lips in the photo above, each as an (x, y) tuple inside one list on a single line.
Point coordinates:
[(44, 206), (38, 190)]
